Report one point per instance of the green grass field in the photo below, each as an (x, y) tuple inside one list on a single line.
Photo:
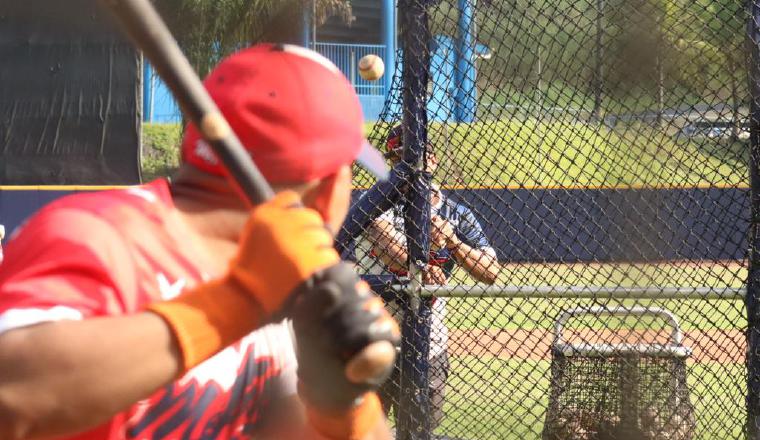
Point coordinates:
[(160, 150), (565, 153), (530, 153), (533, 313), (490, 398)]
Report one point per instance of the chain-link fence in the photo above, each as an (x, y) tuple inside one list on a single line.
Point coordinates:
[(572, 187)]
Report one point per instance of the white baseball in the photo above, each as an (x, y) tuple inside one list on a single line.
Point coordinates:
[(371, 67)]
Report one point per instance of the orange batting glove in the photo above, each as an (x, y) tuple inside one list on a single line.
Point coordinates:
[(282, 245)]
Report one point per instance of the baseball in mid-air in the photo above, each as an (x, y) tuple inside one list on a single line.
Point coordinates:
[(371, 67)]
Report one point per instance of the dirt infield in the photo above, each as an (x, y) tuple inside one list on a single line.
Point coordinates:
[(724, 346)]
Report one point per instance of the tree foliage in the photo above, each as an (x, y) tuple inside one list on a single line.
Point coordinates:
[(644, 50), (208, 30)]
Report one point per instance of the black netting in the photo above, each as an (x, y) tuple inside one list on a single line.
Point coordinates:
[(584, 153)]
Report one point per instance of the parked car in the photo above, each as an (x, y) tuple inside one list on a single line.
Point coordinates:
[(714, 129)]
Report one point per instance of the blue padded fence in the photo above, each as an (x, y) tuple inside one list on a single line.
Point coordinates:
[(569, 221)]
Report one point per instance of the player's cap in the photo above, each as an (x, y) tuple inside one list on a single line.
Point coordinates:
[(292, 109), (394, 143)]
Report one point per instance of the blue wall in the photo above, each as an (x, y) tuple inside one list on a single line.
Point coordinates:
[(158, 102), (570, 225), (613, 225), (15, 206)]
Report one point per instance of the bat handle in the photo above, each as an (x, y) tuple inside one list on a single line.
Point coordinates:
[(369, 365), (372, 363)]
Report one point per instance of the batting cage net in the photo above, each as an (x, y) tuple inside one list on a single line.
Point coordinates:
[(558, 156)]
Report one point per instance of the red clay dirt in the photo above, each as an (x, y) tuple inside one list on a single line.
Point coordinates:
[(724, 346)]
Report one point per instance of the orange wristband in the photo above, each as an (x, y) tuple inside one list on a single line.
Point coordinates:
[(352, 424), (208, 318)]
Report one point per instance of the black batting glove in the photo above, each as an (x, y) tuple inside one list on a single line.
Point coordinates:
[(335, 317)]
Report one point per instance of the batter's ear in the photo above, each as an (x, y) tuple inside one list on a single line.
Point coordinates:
[(331, 197)]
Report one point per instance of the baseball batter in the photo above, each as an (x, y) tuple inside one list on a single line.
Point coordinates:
[(155, 312)]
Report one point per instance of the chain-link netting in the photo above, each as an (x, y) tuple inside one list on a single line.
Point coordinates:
[(559, 155)]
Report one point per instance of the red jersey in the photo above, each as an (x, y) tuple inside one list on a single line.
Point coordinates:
[(111, 253)]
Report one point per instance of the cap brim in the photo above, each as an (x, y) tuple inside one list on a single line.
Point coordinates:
[(371, 160)]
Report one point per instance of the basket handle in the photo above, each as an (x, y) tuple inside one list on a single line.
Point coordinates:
[(676, 336)]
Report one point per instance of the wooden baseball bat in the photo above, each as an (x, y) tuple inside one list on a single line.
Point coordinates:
[(147, 29)]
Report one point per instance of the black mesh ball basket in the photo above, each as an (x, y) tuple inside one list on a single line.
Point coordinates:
[(603, 390)]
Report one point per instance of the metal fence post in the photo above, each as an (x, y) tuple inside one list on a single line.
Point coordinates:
[(465, 102), (306, 25), (413, 420), (147, 98), (389, 40), (753, 281)]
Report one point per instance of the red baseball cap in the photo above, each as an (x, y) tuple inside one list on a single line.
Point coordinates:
[(292, 109), (394, 144)]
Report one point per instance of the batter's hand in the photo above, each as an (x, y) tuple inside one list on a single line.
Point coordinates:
[(336, 318), (283, 244)]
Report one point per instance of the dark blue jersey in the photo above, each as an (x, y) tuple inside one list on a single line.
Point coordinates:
[(466, 227), (462, 219)]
